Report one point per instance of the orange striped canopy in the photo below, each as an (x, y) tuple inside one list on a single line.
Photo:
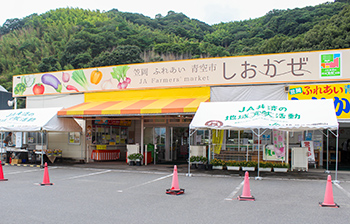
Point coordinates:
[(135, 103), (134, 107)]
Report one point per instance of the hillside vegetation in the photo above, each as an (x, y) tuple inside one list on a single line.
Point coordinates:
[(71, 38)]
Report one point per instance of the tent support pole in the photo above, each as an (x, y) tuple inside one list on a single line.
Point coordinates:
[(141, 143), (2, 145), (42, 148), (336, 155), (327, 171), (189, 153), (287, 147), (211, 152), (327, 135), (259, 135), (258, 177)]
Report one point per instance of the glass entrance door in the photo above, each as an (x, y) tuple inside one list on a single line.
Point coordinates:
[(179, 148), (160, 140), (171, 143)]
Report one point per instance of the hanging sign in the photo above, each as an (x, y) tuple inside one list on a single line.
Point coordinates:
[(310, 152)]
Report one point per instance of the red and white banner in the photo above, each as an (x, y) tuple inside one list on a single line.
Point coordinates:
[(310, 151)]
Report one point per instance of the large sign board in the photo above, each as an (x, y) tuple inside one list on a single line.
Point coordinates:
[(339, 93), (260, 69)]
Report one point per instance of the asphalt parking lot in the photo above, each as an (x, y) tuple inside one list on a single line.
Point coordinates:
[(100, 195)]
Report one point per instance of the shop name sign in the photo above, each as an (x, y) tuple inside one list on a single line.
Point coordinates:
[(259, 69), (22, 117), (273, 113), (339, 93)]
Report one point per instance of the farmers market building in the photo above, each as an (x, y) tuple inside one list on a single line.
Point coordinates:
[(148, 107)]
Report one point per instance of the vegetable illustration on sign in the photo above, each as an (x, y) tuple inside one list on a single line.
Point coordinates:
[(107, 84), (70, 87), (80, 78), (96, 77), (65, 76), (28, 80), (51, 80), (20, 88), (119, 73), (38, 89)]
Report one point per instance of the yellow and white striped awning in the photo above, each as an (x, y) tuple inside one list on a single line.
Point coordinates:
[(136, 102)]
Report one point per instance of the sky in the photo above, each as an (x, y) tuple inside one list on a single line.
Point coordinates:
[(208, 11)]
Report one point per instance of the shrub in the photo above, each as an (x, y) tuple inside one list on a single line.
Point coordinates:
[(198, 159), (281, 165), (265, 164), (217, 162), (249, 163), (135, 156), (232, 163)]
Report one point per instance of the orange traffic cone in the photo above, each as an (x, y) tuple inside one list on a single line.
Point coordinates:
[(328, 196), (246, 196), (46, 179), (175, 189), (2, 173)]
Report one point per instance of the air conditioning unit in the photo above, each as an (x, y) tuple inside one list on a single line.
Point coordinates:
[(299, 158)]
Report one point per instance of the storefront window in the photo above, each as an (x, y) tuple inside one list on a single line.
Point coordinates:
[(35, 138), (239, 137), (201, 137), (74, 138), (116, 133)]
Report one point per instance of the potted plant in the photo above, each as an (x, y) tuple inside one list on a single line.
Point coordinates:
[(249, 165), (265, 166), (202, 162), (139, 158), (193, 161), (280, 167), (218, 164), (135, 158), (131, 159), (233, 165), (198, 160)]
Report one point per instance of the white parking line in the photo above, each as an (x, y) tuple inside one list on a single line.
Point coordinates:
[(148, 182), (87, 175), (29, 171), (230, 197), (342, 189)]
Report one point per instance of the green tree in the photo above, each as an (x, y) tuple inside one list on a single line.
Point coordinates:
[(120, 55)]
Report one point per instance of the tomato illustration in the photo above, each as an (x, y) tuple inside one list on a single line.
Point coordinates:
[(38, 89)]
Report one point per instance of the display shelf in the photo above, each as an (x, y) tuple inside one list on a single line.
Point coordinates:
[(105, 155)]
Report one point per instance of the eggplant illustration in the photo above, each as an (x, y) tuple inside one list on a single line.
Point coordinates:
[(51, 80)]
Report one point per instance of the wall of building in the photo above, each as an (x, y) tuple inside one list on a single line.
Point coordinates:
[(59, 140), (248, 93), (61, 100)]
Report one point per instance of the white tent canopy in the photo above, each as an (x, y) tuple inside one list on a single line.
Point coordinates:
[(296, 115), (286, 115), (37, 119)]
